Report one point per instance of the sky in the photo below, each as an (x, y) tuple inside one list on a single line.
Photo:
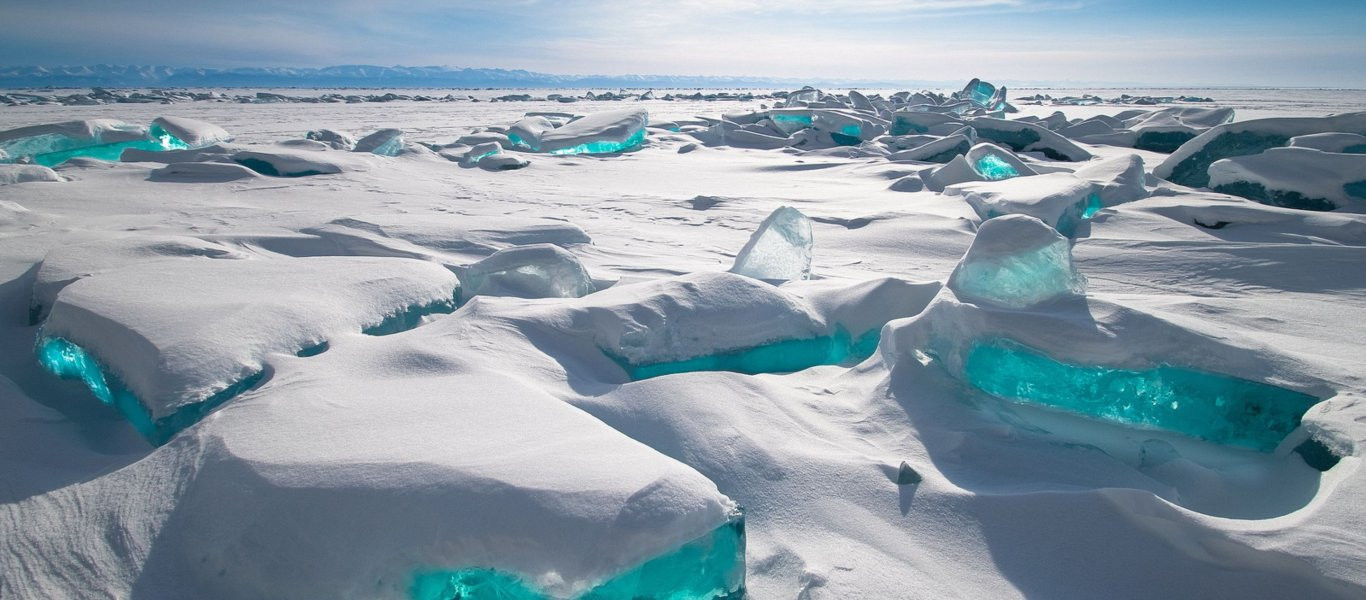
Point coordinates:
[(1312, 43)]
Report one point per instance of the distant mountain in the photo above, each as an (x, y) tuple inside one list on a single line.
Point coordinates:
[(370, 76)]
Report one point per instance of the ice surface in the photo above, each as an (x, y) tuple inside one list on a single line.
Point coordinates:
[(1294, 177), (531, 271), (1207, 406), (1061, 200), (1016, 262), (779, 249), (610, 131), (385, 142), (180, 333)]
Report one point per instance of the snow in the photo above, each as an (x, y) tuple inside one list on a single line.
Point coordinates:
[(1295, 177), (848, 413)]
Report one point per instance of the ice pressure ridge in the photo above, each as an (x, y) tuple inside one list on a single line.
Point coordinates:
[(1208, 406), (711, 567), (105, 139)]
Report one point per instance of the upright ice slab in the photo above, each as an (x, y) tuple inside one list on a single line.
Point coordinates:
[(1016, 262), (994, 163), (610, 131), (780, 249), (531, 271), (385, 142)]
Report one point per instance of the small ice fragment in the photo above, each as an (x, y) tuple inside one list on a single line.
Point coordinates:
[(1016, 261), (779, 250), (530, 271), (385, 142)]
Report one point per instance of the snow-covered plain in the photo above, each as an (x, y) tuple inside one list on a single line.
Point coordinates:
[(570, 440)]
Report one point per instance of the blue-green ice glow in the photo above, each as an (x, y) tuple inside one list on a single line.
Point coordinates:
[(603, 147), (779, 357), (1208, 406), (70, 361), (412, 316), (51, 150), (711, 567), (1093, 206), (995, 168)]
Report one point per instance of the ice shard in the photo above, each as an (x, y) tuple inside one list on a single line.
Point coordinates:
[(530, 271), (994, 163), (385, 142), (779, 250), (1016, 262)]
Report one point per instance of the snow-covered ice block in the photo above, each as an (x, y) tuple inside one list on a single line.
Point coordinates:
[(528, 131), (337, 140), (1028, 137), (54, 143), (478, 152), (779, 250), (212, 152), (995, 163), (1302, 178), (1121, 179), (788, 121), (385, 142), (1346, 143), (908, 121), (984, 95), (188, 133), (179, 336), (1160, 131), (1189, 165), (10, 174), (1016, 262), (956, 171), (291, 163), (941, 150), (610, 131), (502, 162), (202, 172), (69, 262), (531, 271), (432, 237), (1061, 200)]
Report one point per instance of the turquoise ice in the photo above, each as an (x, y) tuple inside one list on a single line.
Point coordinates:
[(784, 356), (1208, 406), (779, 249), (1015, 262)]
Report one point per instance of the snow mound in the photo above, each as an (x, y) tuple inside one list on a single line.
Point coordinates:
[(177, 333), (1190, 164), (293, 163), (441, 238), (336, 140), (1061, 200), (11, 174), (202, 172), (192, 133), (1294, 177), (1120, 179)]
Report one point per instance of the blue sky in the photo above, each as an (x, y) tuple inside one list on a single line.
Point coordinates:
[(1186, 42)]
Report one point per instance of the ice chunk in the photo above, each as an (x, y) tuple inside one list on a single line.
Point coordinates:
[(994, 163), (478, 152), (1161, 131), (1021, 136), (984, 95), (290, 163), (1016, 262), (957, 170), (337, 140), (177, 333), (502, 162), (1060, 199), (528, 131), (1208, 406), (1120, 179), (10, 174), (385, 142), (908, 121), (1189, 165), (779, 250), (791, 120), (531, 271), (1301, 178), (181, 132), (54, 143), (611, 131)]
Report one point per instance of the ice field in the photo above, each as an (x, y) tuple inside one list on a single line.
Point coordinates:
[(969, 343)]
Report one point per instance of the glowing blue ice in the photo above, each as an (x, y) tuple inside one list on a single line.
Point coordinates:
[(1208, 406), (711, 567), (1015, 262), (786, 356), (779, 249), (602, 147), (994, 168)]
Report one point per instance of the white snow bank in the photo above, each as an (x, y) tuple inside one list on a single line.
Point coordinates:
[(1120, 179), (1058, 199), (452, 237), (193, 132), (295, 163), (1294, 177), (202, 172), (181, 331), (11, 174)]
